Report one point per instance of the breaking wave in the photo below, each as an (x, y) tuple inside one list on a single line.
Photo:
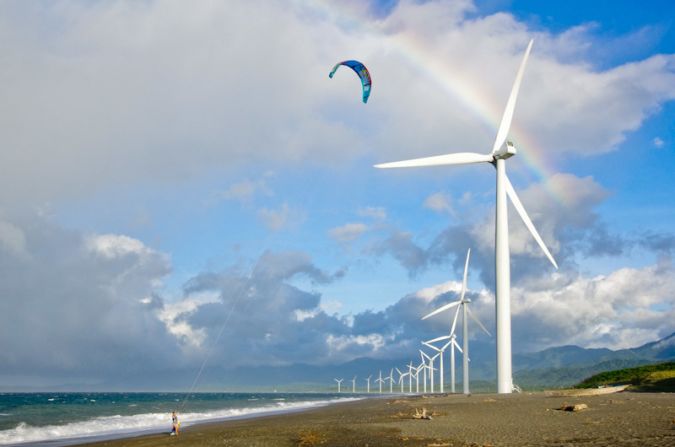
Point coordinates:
[(119, 426)]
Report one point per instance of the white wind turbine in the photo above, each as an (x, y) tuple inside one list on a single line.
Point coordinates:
[(501, 151), (401, 376), (430, 366), (462, 303), (391, 381), (425, 368), (354, 385), (417, 369), (441, 351), (368, 380), (380, 380), (410, 376), (339, 382)]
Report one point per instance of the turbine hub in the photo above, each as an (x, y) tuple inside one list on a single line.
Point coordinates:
[(506, 151)]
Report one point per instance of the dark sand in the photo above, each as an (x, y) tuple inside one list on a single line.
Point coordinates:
[(624, 419)]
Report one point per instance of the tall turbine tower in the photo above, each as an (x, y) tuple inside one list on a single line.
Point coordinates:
[(501, 151), (339, 382), (463, 305)]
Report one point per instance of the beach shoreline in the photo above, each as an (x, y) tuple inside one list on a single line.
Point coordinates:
[(189, 418), (526, 419)]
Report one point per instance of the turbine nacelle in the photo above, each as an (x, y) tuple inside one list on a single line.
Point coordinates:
[(507, 150)]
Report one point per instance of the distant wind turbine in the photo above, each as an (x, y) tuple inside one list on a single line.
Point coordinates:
[(401, 376), (441, 351), (501, 151), (462, 303), (379, 380), (368, 380), (420, 367), (354, 385), (339, 382), (391, 381), (424, 372), (430, 367)]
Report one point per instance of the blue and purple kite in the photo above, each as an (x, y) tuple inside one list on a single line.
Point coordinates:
[(360, 70)]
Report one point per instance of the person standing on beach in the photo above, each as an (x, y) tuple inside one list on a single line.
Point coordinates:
[(176, 425)]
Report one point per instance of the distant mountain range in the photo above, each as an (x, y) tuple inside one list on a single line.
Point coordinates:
[(551, 368), (562, 366), (567, 365)]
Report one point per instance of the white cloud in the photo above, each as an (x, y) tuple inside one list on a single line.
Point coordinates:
[(348, 232), (173, 315), (374, 212), (625, 308), (243, 191), (430, 293), (331, 306), (12, 239), (281, 218), (658, 143), (372, 342), (155, 86), (439, 202), (115, 245)]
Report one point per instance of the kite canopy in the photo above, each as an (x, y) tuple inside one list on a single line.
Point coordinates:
[(360, 70)]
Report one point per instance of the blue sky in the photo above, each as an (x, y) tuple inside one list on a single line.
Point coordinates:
[(148, 147)]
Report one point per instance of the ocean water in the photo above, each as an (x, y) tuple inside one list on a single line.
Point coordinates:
[(43, 418)]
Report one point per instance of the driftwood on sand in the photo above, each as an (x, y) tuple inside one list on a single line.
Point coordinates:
[(421, 415), (575, 407)]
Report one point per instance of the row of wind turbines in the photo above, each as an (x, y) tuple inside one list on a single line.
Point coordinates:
[(439, 345), (502, 150)]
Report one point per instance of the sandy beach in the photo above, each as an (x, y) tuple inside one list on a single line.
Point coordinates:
[(529, 419)]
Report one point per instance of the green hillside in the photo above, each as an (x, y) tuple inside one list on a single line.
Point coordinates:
[(658, 377)]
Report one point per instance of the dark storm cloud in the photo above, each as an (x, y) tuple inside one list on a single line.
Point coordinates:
[(266, 320), (79, 304)]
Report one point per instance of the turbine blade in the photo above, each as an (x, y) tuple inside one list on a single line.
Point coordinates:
[(505, 125), (477, 322), (444, 337), (526, 219), (457, 346), (454, 321), (459, 158), (445, 346), (441, 309), (428, 345), (466, 273)]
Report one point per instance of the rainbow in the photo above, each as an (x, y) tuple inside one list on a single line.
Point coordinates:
[(460, 88)]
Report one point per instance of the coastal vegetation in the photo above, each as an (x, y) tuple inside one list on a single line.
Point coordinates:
[(658, 377)]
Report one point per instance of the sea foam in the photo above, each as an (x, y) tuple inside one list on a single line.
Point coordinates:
[(146, 422)]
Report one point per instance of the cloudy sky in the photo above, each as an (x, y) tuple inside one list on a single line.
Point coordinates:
[(182, 180)]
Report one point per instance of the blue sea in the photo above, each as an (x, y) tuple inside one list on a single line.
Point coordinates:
[(68, 418)]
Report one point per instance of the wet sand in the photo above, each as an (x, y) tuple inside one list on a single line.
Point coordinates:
[(624, 419)]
